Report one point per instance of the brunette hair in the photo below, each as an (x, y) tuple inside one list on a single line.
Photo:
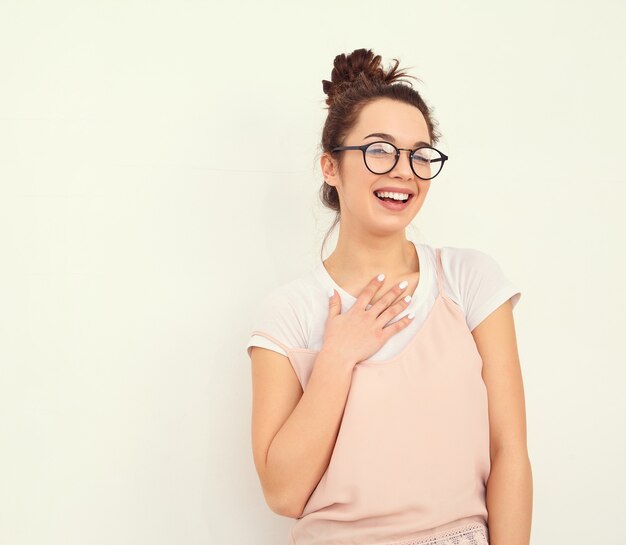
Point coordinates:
[(357, 80)]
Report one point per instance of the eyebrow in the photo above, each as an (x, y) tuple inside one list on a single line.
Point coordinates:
[(392, 139)]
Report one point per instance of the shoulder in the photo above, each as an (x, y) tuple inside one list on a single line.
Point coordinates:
[(470, 264), (286, 298), (455, 258), (284, 312), (478, 281), (459, 258)]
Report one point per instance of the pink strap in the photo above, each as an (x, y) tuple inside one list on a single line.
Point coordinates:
[(439, 270), (271, 338)]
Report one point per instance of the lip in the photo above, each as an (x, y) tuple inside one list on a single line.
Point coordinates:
[(395, 190), (394, 207)]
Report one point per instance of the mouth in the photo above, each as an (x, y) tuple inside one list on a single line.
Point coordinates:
[(393, 204)]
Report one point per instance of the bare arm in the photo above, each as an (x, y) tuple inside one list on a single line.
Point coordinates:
[(294, 431), (300, 451), (510, 487)]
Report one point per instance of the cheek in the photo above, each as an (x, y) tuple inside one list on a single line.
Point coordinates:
[(359, 187), (422, 190)]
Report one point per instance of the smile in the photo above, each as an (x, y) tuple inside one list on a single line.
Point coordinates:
[(393, 204)]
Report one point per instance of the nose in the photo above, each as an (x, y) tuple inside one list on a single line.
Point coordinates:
[(403, 166)]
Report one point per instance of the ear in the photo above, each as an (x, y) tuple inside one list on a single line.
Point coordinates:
[(330, 169)]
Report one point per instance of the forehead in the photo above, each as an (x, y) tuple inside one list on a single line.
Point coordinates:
[(399, 119)]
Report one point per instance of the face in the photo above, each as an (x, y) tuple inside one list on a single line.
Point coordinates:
[(360, 207)]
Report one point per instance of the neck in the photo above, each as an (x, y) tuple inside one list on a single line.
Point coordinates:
[(356, 261)]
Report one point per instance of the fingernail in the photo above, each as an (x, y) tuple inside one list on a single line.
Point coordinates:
[(407, 298), (381, 277), (331, 292), (403, 284), (411, 315)]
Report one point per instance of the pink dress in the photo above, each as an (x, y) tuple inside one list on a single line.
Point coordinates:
[(411, 459)]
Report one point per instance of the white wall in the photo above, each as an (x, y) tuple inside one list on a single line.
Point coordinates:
[(142, 219)]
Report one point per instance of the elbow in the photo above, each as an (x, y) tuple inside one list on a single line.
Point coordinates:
[(280, 499), (289, 511), (283, 506)]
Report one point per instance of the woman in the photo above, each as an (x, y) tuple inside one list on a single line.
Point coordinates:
[(391, 412)]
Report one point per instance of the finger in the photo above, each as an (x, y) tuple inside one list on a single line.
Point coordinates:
[(366, 296), (388, 298), (334, 303), (394, 310), (396, 327)]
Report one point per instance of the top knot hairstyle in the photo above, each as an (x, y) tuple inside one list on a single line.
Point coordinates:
[(356, 80), (359, 69)]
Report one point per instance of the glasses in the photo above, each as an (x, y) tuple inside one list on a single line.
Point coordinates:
[(381, 157)]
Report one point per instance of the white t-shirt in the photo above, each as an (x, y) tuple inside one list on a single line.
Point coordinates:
[(295, 313)]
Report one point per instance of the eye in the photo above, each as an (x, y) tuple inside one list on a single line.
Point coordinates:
[(423, 155), (381, 149)]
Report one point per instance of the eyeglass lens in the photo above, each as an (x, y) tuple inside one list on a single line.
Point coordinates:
[(380, 158)]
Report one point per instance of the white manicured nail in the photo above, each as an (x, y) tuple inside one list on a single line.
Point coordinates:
[(407, 298), (403, 284), (381, 277), (411, 315), (331, 292)]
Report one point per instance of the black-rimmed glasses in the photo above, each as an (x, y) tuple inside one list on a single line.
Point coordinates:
[(381, 157)]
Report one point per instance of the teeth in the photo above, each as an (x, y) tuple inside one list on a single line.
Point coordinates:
[(396, 196)]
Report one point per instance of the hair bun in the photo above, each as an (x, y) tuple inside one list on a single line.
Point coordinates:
[(361, 67)]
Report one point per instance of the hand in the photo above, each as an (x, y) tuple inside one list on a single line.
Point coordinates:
[(360, 333)]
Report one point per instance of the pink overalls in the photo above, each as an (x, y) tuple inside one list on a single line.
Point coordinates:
[(411, 458)]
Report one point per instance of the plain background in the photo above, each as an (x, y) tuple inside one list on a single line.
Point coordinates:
[(159, 168)]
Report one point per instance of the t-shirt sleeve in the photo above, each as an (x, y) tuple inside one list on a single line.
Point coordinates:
[(482, 284), (279, 321)]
